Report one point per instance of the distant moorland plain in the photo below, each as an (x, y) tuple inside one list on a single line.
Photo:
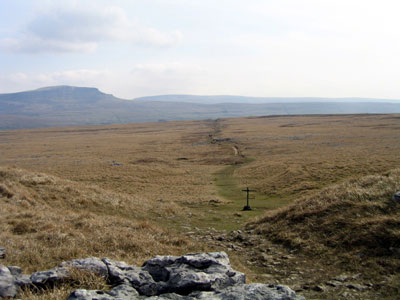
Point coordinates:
[(162, 180)]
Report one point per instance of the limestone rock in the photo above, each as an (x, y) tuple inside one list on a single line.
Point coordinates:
[(14, 270), (342, 278), (256, 291), (8, 288), (2, 252), (157, 267), (23, 280), (92, 264), (120, 272), (91, 295), (49, 277), (318, 288), (334, 283), (193, 272), (187, 277), (168, 296), (121, 292), (356, 286)]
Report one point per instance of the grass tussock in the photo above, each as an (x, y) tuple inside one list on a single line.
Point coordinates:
[(46, 220), (357, 217)]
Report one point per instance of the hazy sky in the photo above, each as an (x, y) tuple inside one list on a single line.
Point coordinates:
[(131, 48)]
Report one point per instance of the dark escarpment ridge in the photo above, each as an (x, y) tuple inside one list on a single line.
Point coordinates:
[(191, 276), (75, 106)]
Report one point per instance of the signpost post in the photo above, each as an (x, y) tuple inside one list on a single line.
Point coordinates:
[(247, 206)]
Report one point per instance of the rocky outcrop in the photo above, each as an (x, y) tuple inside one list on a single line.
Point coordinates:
[(8, 287), (193, 272), (255, 291), (191, 276)]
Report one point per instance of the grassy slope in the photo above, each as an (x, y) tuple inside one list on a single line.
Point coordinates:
[(355, 225), (45, 220), (357, 216)]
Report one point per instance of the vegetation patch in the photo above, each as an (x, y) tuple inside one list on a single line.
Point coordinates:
[(356, 218), (48, 220)]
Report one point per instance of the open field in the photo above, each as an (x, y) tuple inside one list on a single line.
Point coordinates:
[(159, 185)]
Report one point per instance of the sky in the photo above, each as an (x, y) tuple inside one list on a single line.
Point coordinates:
[(133, 48)]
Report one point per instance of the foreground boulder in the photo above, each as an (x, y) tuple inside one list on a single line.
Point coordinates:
[(193, 272), (191, 276), (256, 291), (8, 286)]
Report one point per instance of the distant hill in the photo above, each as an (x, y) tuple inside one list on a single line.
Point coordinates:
[(217, 99), (69, 106)]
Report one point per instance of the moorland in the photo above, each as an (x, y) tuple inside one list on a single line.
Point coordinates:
[(323, 221)]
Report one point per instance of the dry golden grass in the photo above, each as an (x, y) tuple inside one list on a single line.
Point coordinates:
[(78, 279), (358, 216), (350, 227), (301, 154), (174, 161), (46, 220), (127, 191), (146, 160)]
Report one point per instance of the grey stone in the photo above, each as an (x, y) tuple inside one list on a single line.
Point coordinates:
[(256, 291), (92, 295), (168, 296), (334, 283), (14, 270), (157, 266), (141, 280), (121, 292), (193, 272), (23, 280), (2, 252), (124, 291), (8, 287), (368, 284), (356, 286), (4, 271), (125, 294), (396, 197), (49, 277), (92, 264), (318, 288), (116, 270), (205, 260), (342, 278), (187, 277)]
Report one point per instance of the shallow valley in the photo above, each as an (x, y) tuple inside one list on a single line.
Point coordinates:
[(133, 191)]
